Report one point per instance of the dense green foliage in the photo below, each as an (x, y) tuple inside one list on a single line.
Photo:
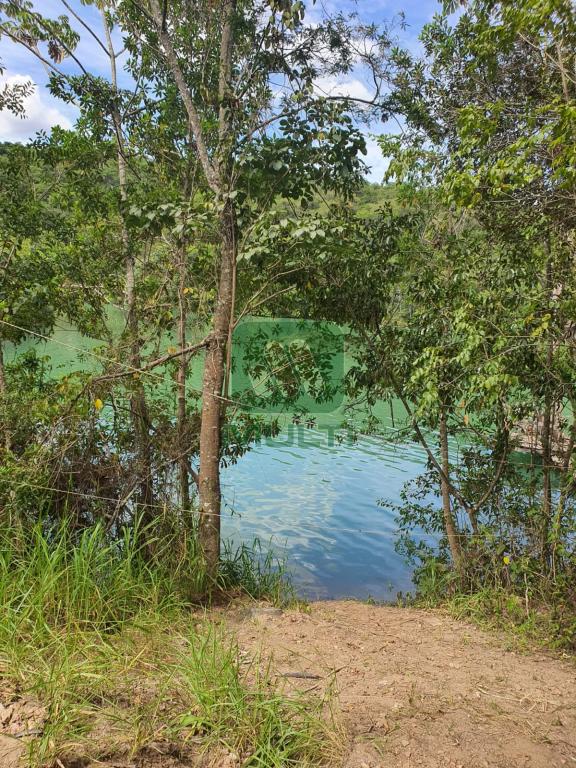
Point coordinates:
[(160, 197), (210, 182), (491, 133), (198, 195)]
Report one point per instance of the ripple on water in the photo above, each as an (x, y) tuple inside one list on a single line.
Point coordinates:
[(317, 504)]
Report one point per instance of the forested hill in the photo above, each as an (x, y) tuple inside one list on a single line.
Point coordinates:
[(367, 202)]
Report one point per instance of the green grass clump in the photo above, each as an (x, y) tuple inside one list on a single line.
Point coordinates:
[(238, 707), (256, 572), (542, 613), (110, 640), (524, 622), (54, 579)]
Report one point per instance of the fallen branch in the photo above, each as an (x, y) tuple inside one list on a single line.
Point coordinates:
[(301, 675)]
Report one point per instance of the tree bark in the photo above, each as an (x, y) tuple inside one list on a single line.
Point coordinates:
[(449, 522), (212, 400), (183, 448), (2, 372), (547, 434), (138, 406), (567, 485), (194, 117), (218, 172), (546, 482)]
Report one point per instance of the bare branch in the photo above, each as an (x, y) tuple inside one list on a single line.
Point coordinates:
[(85, 25), (190, 350)]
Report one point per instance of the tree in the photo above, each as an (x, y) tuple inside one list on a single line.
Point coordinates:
[(37, 230), (490, 129), (249, 140), (222, 59), (495, 96)]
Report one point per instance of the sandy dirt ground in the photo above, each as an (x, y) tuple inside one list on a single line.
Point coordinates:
[(406, 687), (415, 688)]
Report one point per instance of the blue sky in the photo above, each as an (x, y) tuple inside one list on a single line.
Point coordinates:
[(43, 111)]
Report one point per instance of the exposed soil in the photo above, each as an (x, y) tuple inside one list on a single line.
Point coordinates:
[(21, 718), (409, 688), (416, 688)]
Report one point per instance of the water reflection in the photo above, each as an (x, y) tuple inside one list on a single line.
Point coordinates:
[(312, 492), (315, 498)]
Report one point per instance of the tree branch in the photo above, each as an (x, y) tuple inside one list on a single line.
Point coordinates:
[(190, 350), (193, 115), (85, 25)]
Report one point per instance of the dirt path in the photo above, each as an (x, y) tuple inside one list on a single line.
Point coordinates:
[(419, 689)]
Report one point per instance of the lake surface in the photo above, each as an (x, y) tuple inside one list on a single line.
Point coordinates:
[(312, 498), (316, 502)]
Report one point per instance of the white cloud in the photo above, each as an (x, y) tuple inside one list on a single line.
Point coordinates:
[(353, 88), (39, 114), (375, 160)]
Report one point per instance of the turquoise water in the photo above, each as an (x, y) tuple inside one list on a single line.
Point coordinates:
[(312, 498), (316, 502)]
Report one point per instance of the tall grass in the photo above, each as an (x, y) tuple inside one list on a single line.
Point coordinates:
[(530, 606), (85, 621), (64, 598), (54, 579), (256, 571), (252, 720)]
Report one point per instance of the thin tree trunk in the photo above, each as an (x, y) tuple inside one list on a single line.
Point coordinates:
[(546, 482), (565, 489), (215, 373), (2, 372), (9, 514), (212, 400), (218, 171), (138, 406), (183, 448), (547, 437), (449, 522)]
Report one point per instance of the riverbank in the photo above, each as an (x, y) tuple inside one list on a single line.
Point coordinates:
[(334, 683), (418, 688)]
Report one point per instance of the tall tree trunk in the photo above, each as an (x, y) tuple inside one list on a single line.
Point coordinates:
[(547, 433), (212, 400), (449, 521), (183, 448), (138, 406), (215, 374), (2, 372), (567, 485), (218, 172), (546, 482)]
